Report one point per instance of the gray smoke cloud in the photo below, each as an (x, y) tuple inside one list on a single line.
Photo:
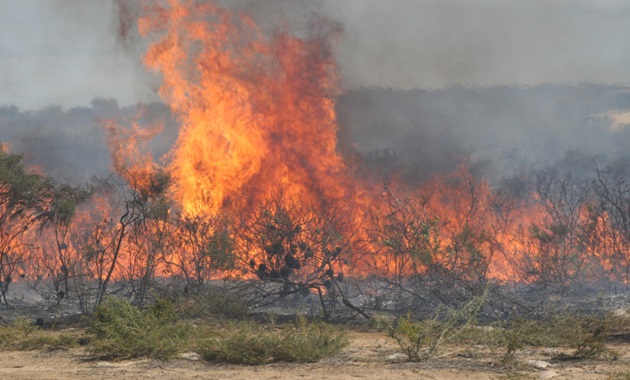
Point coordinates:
[(437, 43), (66, 53), (70, 145), (517, 104), (498, 131)]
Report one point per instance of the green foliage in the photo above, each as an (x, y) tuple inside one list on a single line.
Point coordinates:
[(253, 344), (551, 332), (380, 322), (592, 344), (63, 203), (22, 335), (512, 345), (212, 301), (65, 210), (123, 331), (17, 186), (163, 310), (421, 340), (585, 336), (417, 339), (220, 250), (120, 330)]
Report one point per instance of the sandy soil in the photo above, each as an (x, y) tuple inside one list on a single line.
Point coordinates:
[(367, 357)]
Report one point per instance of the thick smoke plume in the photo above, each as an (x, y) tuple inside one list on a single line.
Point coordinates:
[(497, 130)]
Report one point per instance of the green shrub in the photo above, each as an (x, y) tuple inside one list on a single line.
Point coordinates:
[(380, 322), (421, 340), (592, 344), (309, 342), (122, 331), (212, 301), (554, 331), (22, 335), (253, 344), (585, 335)]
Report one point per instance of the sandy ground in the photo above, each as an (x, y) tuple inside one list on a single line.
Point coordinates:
[(367, 357)]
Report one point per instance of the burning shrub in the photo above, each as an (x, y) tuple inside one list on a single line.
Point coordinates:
[(612, 188), (56, 260), (559, 252), (428, 253), (206, 249), (22, 199), (295, 249)]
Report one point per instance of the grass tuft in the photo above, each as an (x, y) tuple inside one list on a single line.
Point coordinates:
[(250, 343), (22, 335)]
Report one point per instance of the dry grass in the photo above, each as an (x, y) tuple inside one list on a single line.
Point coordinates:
[(22, 335)]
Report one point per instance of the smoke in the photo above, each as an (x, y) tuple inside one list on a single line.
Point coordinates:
[(434, 44), (92, 49), (66, 53), (498, 131), (71, 145)]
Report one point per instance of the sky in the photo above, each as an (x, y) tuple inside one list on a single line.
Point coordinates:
[(66, 52)]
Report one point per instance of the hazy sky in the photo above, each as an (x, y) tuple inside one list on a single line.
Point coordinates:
[(61, 52), (65, 51)]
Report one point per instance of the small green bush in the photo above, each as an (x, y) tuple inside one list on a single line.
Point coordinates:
[(253, 344), (309, 342), (22, 335), (122, 331), (380, 322), (211, 301), (585, 335), (421, 340), (592, 344)]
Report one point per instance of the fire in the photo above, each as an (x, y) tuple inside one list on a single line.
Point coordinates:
[(257, 119), (256, 111), (262, 191), (128, 147)]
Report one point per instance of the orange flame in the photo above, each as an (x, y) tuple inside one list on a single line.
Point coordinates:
[(257, 112)]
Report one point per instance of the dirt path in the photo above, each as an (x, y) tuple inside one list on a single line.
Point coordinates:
[(365, 358)]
